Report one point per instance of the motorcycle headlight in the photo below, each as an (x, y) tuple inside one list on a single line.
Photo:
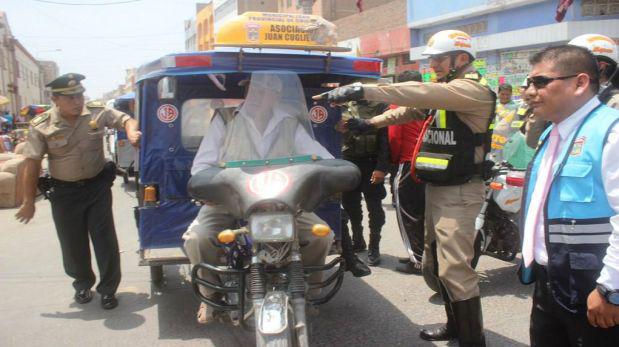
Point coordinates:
[(272, 227)]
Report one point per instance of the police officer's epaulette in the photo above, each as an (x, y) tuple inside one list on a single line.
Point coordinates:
[(95, 104), (39, 119)]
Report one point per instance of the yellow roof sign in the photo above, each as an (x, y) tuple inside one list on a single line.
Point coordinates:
[(279, 30)]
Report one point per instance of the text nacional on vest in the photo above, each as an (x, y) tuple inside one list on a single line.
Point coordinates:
[(443, 137)]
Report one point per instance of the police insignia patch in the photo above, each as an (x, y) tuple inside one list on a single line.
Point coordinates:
[(95, 103), (577, 147), (39, 119)]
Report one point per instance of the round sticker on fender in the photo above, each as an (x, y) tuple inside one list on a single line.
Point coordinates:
[(167, 113), (318, 114), (269, 184)]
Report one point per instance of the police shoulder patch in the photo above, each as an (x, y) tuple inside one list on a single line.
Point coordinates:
[(39, 119), (95, 104)]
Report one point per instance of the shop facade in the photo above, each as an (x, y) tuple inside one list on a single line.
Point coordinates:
[(507, 33)]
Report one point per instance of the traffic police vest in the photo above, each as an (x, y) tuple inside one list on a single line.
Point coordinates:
[(577, 213), (362, 145), (447, 153)]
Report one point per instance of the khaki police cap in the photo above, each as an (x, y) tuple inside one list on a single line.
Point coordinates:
[(67, 84)]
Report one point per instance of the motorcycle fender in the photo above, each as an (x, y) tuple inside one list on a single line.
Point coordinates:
[(273, 315)]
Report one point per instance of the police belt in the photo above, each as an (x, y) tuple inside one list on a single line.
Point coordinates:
[(56, 183)]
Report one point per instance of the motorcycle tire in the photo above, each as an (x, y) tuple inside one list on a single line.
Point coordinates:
[(477, 247)]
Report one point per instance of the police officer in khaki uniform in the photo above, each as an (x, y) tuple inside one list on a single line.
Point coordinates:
[(451, 161), (79, 189)]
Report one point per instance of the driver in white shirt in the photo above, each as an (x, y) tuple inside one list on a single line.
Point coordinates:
[(272, 122)]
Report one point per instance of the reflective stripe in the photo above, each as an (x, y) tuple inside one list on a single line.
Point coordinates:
[(517, 124), (580, 228), (431, 163), (442, 119), (521, 111), (579, 239), (491, 126)]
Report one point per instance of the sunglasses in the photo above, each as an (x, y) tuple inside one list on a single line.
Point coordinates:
[(540, 82)]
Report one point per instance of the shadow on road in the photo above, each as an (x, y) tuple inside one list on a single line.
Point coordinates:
[(503, 281), (124, 317), (357, 316)]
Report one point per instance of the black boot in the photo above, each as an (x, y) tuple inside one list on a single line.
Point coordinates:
[(446, 332), (353, 264), (409, 268), (469, 322), (443, 333), (357, 238), (373, 250)]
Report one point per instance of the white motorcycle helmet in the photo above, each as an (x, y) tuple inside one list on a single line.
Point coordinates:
[(449, 41), (599, 45)]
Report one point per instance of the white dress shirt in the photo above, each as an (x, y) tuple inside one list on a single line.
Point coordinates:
[(610, 176), (209, 153)]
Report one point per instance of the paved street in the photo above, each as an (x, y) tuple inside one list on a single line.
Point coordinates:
[(384, 309)]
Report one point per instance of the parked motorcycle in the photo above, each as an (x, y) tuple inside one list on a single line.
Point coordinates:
[(263, 258), (497, 223)]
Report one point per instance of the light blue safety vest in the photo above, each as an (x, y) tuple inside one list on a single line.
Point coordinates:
[(577, 212)]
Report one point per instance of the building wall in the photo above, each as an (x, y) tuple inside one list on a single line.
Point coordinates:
[(191, 42), (30, 90), (49, 71), (330, 10), (257, 5), (21, 76), (294, 6), (205, 28), (505, 35), (380, 18), (224, 10), (130, 78), (7, 64)]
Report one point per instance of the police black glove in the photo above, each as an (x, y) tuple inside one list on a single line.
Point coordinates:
[(353, 92), (359, 125)]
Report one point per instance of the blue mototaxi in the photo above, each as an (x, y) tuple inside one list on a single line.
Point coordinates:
[(123, 153), (176, 98)]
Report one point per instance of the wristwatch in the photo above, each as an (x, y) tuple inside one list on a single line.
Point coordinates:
[(611, 295)]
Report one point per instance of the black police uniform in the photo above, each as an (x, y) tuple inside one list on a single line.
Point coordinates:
[(369, 152)]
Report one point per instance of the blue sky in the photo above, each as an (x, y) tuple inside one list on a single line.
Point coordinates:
[(99, 41)]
